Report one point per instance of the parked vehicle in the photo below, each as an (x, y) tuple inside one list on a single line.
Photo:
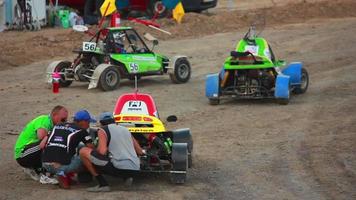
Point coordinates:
[(148, 6)]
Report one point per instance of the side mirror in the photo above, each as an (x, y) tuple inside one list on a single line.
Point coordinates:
[(152, 39), (172, 118), (155, 42)]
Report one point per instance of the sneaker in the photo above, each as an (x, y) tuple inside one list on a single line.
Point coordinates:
[(63, 182), (48, 180), (99, 188), (128, 182), (32, 173)]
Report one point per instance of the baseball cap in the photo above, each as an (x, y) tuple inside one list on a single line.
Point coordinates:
[(84, 115), (106, 117)]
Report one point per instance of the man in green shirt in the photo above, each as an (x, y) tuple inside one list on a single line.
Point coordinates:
[(29, 144)]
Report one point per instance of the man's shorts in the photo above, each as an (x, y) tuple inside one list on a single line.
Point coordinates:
[(74, 166), (104, 165), (31, 156)]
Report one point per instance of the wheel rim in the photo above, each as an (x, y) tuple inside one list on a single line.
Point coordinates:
[(111, 78), (183, 71), (304, 81), (159, 7), (61, 73)]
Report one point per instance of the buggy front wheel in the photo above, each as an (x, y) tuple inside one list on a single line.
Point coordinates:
[(181, 72), (109, 79), (61, 69)]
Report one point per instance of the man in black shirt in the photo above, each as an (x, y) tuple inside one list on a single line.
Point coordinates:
[(59, 153)]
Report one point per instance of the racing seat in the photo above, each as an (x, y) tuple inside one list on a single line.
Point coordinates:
[(245, 58)]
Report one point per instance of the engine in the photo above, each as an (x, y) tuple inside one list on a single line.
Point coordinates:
[(254, 82), (84, 70), (158, 149)]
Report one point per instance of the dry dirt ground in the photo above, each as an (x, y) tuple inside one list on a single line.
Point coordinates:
[(243, 149)]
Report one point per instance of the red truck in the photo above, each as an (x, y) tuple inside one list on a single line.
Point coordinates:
[(148, 6)]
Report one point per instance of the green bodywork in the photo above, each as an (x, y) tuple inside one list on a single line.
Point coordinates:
[(261, 48), (135, 63), (140, 63)]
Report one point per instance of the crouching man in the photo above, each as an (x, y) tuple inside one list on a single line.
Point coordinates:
[(116, 154), (29, 144), (59, 153)]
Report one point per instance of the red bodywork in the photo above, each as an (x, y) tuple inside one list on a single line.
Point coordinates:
[(136, 97)]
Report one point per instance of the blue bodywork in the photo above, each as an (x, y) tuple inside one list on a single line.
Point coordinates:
[(212, 87), (282, 87), (294, 71)]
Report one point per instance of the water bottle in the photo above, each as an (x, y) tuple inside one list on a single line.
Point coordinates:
[(55, 82)]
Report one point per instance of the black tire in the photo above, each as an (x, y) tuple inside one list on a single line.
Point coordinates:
[(214, 101), (153, 6), (304, 83), (190, 159), (98, 4), (89, 7), (283, 101), (61, 69), (92, 11), (182, 71), (184, 136), (179, 163), (110, 78)]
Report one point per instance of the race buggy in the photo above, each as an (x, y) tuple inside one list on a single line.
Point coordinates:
[(114, 54), (253, 72), (167, 151)]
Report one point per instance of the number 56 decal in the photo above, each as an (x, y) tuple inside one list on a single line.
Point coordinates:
[(134, 68), (89, 46)]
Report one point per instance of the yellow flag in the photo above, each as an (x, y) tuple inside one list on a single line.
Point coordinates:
[(178, 12), (109, 5)]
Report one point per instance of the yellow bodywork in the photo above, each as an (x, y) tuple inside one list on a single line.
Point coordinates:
[(140, 123)]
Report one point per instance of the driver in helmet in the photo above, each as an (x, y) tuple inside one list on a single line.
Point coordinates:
[(119, 45), (256, 45)]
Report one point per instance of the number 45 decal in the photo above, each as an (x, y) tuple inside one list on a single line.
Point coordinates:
[(134, 68)]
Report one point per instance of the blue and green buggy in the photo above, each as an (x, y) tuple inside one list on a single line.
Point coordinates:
[(253, 72)]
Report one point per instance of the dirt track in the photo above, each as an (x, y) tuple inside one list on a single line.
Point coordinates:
[(243, 149)]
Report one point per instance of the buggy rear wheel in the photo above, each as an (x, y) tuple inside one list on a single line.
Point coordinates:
[(184, 136), (304, 83), (179, 163), (60, 68), (214, 101), (283, 101), (109, 79)]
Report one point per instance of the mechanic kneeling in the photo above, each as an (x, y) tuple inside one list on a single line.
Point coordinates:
[(59, 153), (116, 154)]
